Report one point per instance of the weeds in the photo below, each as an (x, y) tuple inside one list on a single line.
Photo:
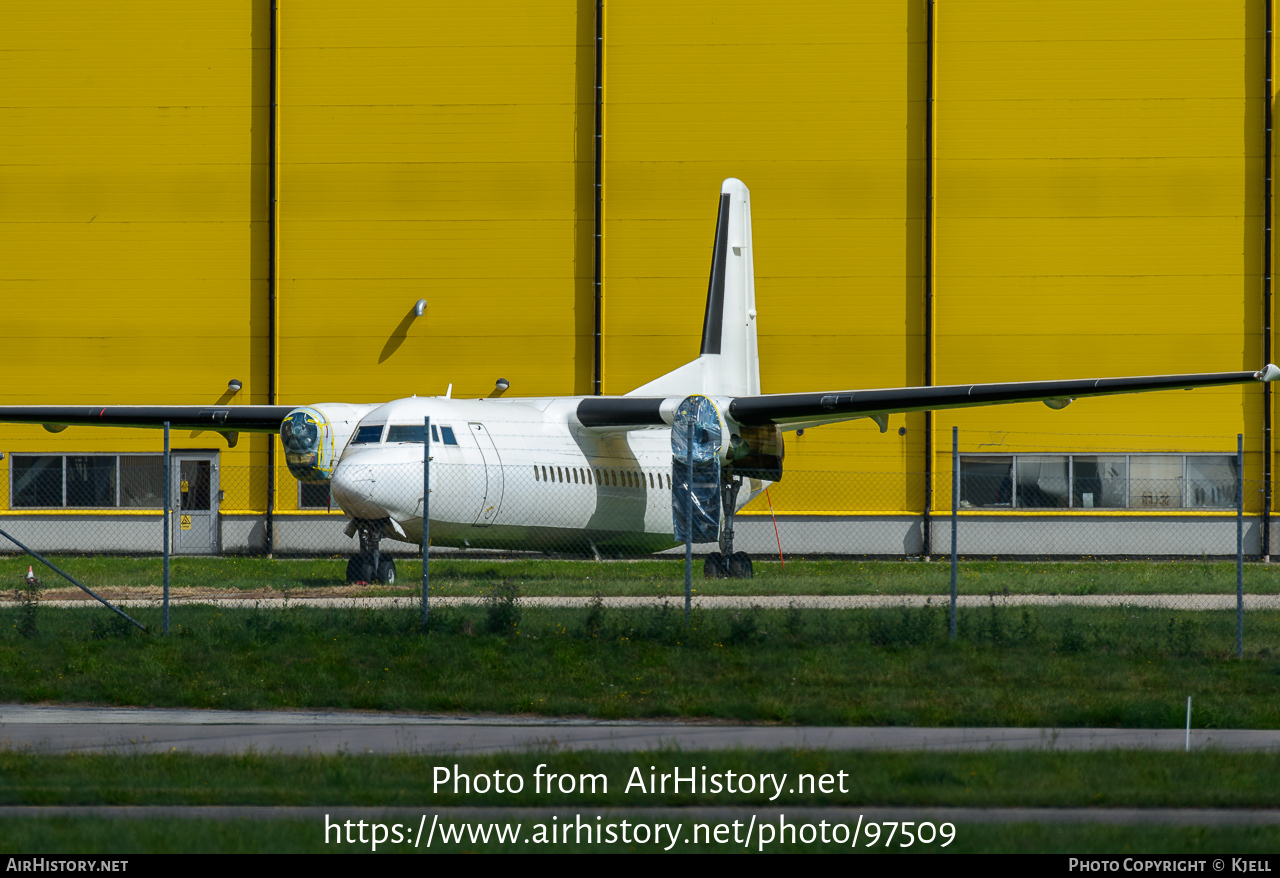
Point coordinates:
[(1071, 639), (593, 621), (28, 596), (744, 628), (502, 610), (907, 626)]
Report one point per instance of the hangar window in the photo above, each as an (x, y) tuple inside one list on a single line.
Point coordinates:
[(87, 481), (313, 495), (368, 434), (446, 434), (1111, 481)]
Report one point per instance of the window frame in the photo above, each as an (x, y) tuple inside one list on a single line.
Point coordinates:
[(63, 455), (1184, 489), (328, 507)]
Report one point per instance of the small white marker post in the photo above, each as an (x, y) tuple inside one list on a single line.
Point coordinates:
[(1188, 724)]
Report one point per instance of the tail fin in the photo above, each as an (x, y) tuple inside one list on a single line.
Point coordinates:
[(729, 361)]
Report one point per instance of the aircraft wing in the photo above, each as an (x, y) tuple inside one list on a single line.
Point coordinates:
[(224, 419), (793, 411)]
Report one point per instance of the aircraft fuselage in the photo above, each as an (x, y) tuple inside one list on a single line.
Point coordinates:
[(516, 475)]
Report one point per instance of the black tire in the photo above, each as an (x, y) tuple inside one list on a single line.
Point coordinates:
[(740, 566), (714, 567), (359, 569), (387, 571)]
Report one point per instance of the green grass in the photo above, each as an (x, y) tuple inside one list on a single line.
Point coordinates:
[(666, 577), (1011, 667), (1107, 778), (105, 837), (406, 783)]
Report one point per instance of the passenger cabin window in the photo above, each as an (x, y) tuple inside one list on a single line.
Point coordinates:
[(446, 433), (371, 433), (407, 433)]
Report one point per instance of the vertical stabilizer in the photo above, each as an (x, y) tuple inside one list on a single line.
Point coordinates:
[(729, 362)]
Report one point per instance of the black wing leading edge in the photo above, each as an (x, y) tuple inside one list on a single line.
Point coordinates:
[(805, 409), (225, 419), (786, 408)]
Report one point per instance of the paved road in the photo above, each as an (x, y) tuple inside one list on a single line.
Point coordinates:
[(960, 817), (143, 730), (713, 602)]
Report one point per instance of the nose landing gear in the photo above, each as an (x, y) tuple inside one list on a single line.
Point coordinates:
[(369, 566)]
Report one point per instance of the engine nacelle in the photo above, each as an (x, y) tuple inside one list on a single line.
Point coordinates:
[(314, 436), (756, 452)]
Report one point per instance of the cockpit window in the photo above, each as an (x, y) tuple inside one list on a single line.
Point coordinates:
[(370, 433), (449, 438), (406, 433)]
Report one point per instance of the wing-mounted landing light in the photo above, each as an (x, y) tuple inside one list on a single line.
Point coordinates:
[(1058, 404)]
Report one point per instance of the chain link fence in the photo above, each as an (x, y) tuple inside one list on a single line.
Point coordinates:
[(1076, 553)]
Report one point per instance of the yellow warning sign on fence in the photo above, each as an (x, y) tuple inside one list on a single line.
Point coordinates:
[(184, 487), (184, 522)]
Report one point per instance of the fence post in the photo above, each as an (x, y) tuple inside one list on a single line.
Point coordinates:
[(688, 531), (168, 528), (426, 511), (1239, 545), (955, 509)]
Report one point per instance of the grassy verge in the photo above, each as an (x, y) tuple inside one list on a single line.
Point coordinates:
[(666, 577), (1029, 779), (1011, 667), (1108, 778), (99, 837)]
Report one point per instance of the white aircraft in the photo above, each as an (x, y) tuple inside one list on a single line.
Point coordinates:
[(586, 473)]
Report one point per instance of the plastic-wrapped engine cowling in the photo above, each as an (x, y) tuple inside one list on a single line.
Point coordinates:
[(696, 431), (308, 444)]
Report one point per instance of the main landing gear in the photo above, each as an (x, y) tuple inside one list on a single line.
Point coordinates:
[(369, 565), (728, 564)]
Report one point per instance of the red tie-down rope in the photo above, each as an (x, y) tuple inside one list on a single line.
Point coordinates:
[(775, 529)]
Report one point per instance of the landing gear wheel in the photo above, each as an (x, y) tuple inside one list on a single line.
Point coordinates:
[(740, 566), (359, 569), (714, 567), (387, 571)]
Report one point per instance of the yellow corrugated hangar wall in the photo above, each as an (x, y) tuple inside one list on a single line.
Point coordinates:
[(1099, 211), (441, 152), (1096, 170), (133, 182), (820, 111)]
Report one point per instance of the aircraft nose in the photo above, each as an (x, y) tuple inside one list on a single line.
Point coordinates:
[(353, 487)]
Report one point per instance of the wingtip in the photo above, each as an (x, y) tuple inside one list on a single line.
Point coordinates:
[(1268, 373)]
